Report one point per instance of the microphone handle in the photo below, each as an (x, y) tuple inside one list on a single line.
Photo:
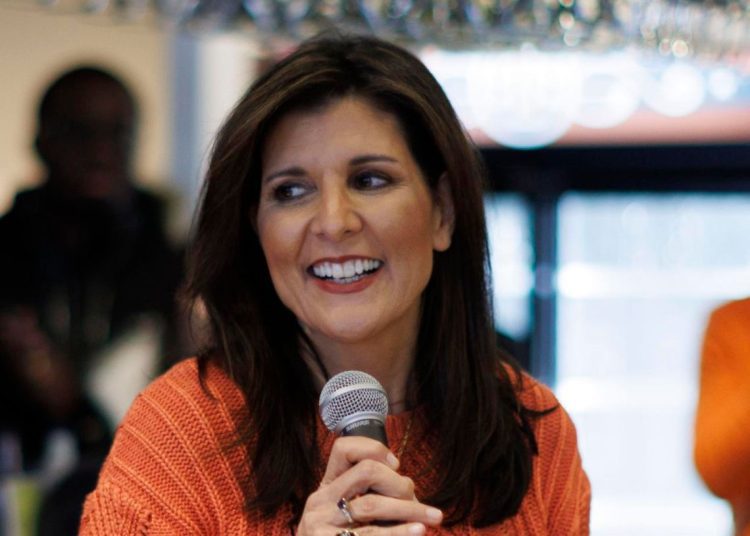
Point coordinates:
[(374, 429), (367, 427)]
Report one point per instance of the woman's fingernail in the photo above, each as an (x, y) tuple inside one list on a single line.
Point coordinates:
[(392, 460), (416, 528), (434, 514)]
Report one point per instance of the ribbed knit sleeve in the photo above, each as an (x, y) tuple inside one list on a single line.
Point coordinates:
[(176, 466), (111, 511), (722, 443), (559, 481)]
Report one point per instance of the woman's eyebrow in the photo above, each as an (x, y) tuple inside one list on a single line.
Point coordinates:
[(371, 158), (293, 171)]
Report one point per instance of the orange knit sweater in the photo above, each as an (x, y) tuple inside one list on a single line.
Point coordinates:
[(176, 468), (722, 427)]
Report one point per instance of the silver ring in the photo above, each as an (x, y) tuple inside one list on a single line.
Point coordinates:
[(343, 506), (346, 532)]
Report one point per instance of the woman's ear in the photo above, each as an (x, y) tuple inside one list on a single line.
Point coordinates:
[(444, 215)]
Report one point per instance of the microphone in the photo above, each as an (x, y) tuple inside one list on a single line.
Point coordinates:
[(354, 403)]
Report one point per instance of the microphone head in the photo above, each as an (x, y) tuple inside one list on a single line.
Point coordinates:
[(349, 395)]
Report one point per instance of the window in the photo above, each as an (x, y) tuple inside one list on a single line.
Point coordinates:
[(637, 277)]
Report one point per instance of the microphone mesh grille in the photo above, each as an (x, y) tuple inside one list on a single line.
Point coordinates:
[(350, 392)]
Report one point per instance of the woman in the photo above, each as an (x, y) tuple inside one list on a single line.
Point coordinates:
[(342, 228)]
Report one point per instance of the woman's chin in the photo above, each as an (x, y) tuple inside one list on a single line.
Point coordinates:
[(344, 334)]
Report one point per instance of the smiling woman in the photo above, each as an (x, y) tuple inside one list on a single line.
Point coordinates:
[(349, 194), (342, 228)]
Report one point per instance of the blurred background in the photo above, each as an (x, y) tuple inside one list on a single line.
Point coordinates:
[(617, 141)]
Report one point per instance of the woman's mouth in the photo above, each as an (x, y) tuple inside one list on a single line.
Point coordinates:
[(345, 272)]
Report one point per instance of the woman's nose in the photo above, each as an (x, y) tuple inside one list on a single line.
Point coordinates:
[(336, 216)]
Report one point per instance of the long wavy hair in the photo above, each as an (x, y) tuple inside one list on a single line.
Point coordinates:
[(486, 447)]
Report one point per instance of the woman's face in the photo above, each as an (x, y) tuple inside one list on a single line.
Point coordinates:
[(347, 222)]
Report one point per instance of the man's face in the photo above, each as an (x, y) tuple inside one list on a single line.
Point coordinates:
[(86, 140)]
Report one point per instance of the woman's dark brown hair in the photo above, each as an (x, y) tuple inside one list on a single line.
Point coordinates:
[(485, 448)]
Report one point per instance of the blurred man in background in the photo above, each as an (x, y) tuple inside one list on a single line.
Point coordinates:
[(85, 259)]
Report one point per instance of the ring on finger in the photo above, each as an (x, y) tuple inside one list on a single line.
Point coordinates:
[(343, 506), (346, 532)]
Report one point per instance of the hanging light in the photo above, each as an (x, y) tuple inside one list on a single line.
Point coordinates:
[(672, 27)]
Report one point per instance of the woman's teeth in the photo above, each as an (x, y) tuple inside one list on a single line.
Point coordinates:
[(346, 272)]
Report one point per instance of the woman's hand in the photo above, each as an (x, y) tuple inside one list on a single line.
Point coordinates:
[(362, 471)]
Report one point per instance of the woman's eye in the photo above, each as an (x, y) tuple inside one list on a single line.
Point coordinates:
[(370, 181), (289, 191)]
